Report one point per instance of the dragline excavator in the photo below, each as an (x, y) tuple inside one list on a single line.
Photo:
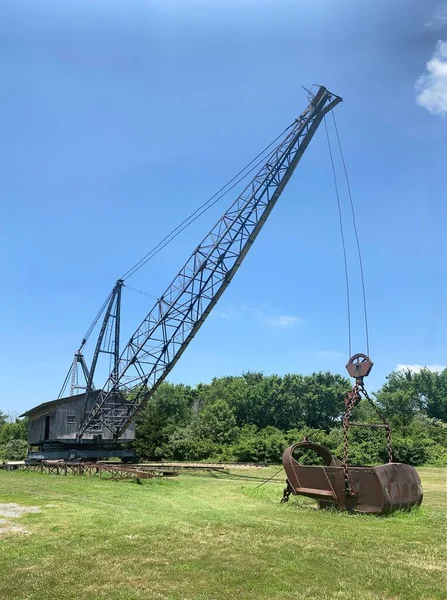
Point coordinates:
[(99, 422), (163, 336)]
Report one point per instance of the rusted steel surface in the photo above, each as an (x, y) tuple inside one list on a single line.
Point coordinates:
[(359, 366), (374, 490)]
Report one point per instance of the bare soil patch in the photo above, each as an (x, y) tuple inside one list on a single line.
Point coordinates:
[(14, 511)]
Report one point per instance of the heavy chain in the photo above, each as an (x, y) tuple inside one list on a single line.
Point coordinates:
[(384, 421), (358, 367), (350, 401)]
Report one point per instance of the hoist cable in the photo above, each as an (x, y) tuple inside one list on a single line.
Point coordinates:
[(64, 385), (203, 208), (95, 320), (187, 222), (342, 235), (354, 223), (141, 292), (83, 342), (200, 211)]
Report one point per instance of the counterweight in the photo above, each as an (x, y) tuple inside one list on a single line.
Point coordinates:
[(160, 340)]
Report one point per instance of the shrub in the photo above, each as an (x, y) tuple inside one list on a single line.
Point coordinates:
[(14, 450), (437, 455), (407, 450), (264, 445)]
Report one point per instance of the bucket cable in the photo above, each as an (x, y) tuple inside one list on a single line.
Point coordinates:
[(354, 223), (342, 235), (269, 479), (203, 207)]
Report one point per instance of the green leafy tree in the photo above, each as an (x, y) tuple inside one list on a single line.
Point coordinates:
[(17, 430), (406, 393), (263, 445), (216, 423), (282, 402), (13, 438), (14, 449), (185, 445), (168, 410), (320, 397), (209, 433), (431, 390), (245, 395), (3, 418), (397, 397)]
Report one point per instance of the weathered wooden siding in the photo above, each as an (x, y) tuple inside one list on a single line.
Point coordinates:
[(60, 429), (36, 429)]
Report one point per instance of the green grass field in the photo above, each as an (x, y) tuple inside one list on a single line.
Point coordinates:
[(208, 538)]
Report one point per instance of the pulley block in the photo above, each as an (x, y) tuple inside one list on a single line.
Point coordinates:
[(359, 366)]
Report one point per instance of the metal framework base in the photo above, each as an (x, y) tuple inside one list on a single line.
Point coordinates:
[(108, 471)]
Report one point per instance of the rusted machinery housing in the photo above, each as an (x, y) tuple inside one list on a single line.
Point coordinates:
[(375, 490)]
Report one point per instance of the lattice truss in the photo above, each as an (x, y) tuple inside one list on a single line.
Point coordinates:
[(177, 315)]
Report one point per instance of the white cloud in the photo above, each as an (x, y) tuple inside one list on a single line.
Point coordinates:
[(284, 321), (330, 354), (227, 314), (439, 19), (432, 87), (418, 368), (265, 315)]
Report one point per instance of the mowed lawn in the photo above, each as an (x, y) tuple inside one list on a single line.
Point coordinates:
[(209, 538)]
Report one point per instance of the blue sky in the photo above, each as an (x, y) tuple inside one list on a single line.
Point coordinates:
[(120, 118)]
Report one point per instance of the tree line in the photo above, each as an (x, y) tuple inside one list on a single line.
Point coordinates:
[(254, 417)]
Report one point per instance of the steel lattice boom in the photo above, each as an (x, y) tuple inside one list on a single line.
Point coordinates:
[(165, 333)]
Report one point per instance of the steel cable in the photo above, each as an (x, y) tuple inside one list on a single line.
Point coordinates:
[(270, 478), (183, 225), (141, 292), (342, 235), (95, 320), (359, 252), (202, 209)]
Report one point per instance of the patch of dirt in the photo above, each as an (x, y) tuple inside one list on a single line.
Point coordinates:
[(8, 527), (14, 511)]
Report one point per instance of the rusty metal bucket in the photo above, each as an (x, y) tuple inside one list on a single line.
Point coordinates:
[(374, 490)]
